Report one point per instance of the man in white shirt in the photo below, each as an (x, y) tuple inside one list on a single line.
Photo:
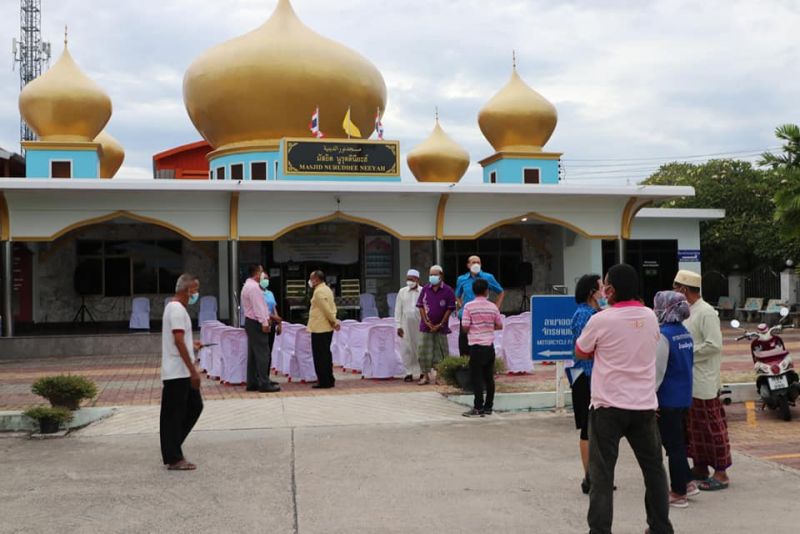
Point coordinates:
[(181, 402), (406, 318)]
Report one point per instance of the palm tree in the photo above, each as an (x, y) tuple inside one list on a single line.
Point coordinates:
[(790, 158)]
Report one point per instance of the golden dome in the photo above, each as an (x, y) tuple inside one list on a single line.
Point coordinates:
[(265, 85), (517, 118), (64, 104), (438, 158), (111, 156)]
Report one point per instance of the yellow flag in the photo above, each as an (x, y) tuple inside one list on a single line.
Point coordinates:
[(349, 128)]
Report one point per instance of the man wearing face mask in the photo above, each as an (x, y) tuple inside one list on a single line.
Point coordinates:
[(321, 323), (257, 327), (464, 294), (272, 308), (181, 402), (406, 318), (436, 302)]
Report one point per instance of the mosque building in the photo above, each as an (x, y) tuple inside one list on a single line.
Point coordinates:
[(262, 187)]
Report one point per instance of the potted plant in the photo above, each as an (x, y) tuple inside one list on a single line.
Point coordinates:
[(49, 419), (454, 371), (66, 391)]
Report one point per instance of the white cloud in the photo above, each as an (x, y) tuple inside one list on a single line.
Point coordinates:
[(630, 79)]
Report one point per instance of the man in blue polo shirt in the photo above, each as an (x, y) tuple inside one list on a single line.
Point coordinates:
[(464, 294)]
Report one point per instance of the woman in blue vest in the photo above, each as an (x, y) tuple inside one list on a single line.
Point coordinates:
[(674, 359), (589, 300)]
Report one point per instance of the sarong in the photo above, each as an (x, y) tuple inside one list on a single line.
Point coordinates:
[(707, 434), (432, 349)]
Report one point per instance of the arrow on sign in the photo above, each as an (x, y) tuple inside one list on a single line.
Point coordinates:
[(548, 353)]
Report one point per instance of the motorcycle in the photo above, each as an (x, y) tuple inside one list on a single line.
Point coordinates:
[(777, 382)]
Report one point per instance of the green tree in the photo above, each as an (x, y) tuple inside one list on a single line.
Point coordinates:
[(746, 237), (790, 158), (786, 165)]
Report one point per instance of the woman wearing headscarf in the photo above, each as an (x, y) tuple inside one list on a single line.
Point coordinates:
[(674, 360), (588, 297)]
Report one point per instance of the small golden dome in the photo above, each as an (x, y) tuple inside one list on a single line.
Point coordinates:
[(265, 85), (517, 118), (64, 104), (112, 154), (438, 158)]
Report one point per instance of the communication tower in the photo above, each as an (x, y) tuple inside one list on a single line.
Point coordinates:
[(30, 52)]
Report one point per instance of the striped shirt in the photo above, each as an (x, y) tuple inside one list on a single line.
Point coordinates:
[(481, 316)]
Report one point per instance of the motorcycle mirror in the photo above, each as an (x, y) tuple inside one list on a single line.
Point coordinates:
[(784, 311), (735, 324)]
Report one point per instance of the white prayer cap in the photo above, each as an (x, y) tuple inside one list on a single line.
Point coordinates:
[(413, 272), (688, 278)]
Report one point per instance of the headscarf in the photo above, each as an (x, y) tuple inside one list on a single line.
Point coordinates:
[(671, 307)]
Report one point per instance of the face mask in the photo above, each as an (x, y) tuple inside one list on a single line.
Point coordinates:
[(193, 298), (264, 283), (311, 284), (476, 268), (434, 279), (411, 284)]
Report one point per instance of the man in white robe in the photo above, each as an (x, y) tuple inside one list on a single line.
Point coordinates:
[(406, 318)]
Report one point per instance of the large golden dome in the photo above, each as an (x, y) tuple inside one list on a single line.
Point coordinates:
[(517, 118), (265, 85), (64, 104), (438, 158), (112, 154)]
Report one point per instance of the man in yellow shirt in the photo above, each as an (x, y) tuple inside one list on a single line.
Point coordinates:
[(321, 324)]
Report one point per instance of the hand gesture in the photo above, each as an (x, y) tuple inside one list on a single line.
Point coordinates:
[(198, 345)]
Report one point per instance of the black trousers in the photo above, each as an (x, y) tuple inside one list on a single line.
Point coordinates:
[(481, 371), (259, 357), (463, 342), (607, 426), (323, 359), (181, 406), (672, 426)]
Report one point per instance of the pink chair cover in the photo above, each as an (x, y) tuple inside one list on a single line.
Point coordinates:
[(234, 356), (373, 319), (381, 360), (289, 335), (516, 346), (301, 361), (339, 345), (205, 338), (357, 346)]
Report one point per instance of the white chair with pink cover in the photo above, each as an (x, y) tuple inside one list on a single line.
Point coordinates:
[(516, 346), (372, 320), (215, 352), (301, 360), (233, 342), (357, 346), (339, 346), (452, 338), (205, 338), (381, 360), (280, 358)]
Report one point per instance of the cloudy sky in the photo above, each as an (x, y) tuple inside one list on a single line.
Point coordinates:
[(635, 83)]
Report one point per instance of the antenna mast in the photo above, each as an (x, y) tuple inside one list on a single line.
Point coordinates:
[(30, 52)]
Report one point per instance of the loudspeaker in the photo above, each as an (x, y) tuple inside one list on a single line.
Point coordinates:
[(525, 273), (86, 278)]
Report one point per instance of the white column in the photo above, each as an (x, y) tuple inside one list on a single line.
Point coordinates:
[(736, 288), (233, 282), (789, 287), (581, 256)]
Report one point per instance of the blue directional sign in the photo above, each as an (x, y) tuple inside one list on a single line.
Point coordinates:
[(551, 319)]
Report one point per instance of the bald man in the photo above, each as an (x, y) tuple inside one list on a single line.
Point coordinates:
[(464, 294)]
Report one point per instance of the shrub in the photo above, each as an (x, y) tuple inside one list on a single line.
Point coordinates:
[(49, 419), (447, 368), (65, 391)]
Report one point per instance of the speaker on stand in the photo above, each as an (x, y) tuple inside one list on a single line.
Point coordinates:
[(84, 285), (526, 279)]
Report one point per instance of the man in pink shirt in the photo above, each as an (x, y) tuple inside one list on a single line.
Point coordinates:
[(479, 321), (622, 341), (257, 327)]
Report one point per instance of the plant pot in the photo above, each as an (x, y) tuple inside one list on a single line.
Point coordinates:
[(463, 379), (48, 426), (69, 403)]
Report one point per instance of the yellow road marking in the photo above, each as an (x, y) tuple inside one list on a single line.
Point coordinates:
[(782, 456), (750, 406)]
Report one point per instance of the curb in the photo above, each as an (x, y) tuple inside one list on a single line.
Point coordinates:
[(16, 422), (546, 400)]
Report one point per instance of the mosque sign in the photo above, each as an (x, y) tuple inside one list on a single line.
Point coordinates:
[(341, 157)]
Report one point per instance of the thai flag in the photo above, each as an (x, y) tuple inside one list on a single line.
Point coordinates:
[(378, 125), (314, 125)]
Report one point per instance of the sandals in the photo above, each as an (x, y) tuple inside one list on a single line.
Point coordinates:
[(181, 465), (712, 484)]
